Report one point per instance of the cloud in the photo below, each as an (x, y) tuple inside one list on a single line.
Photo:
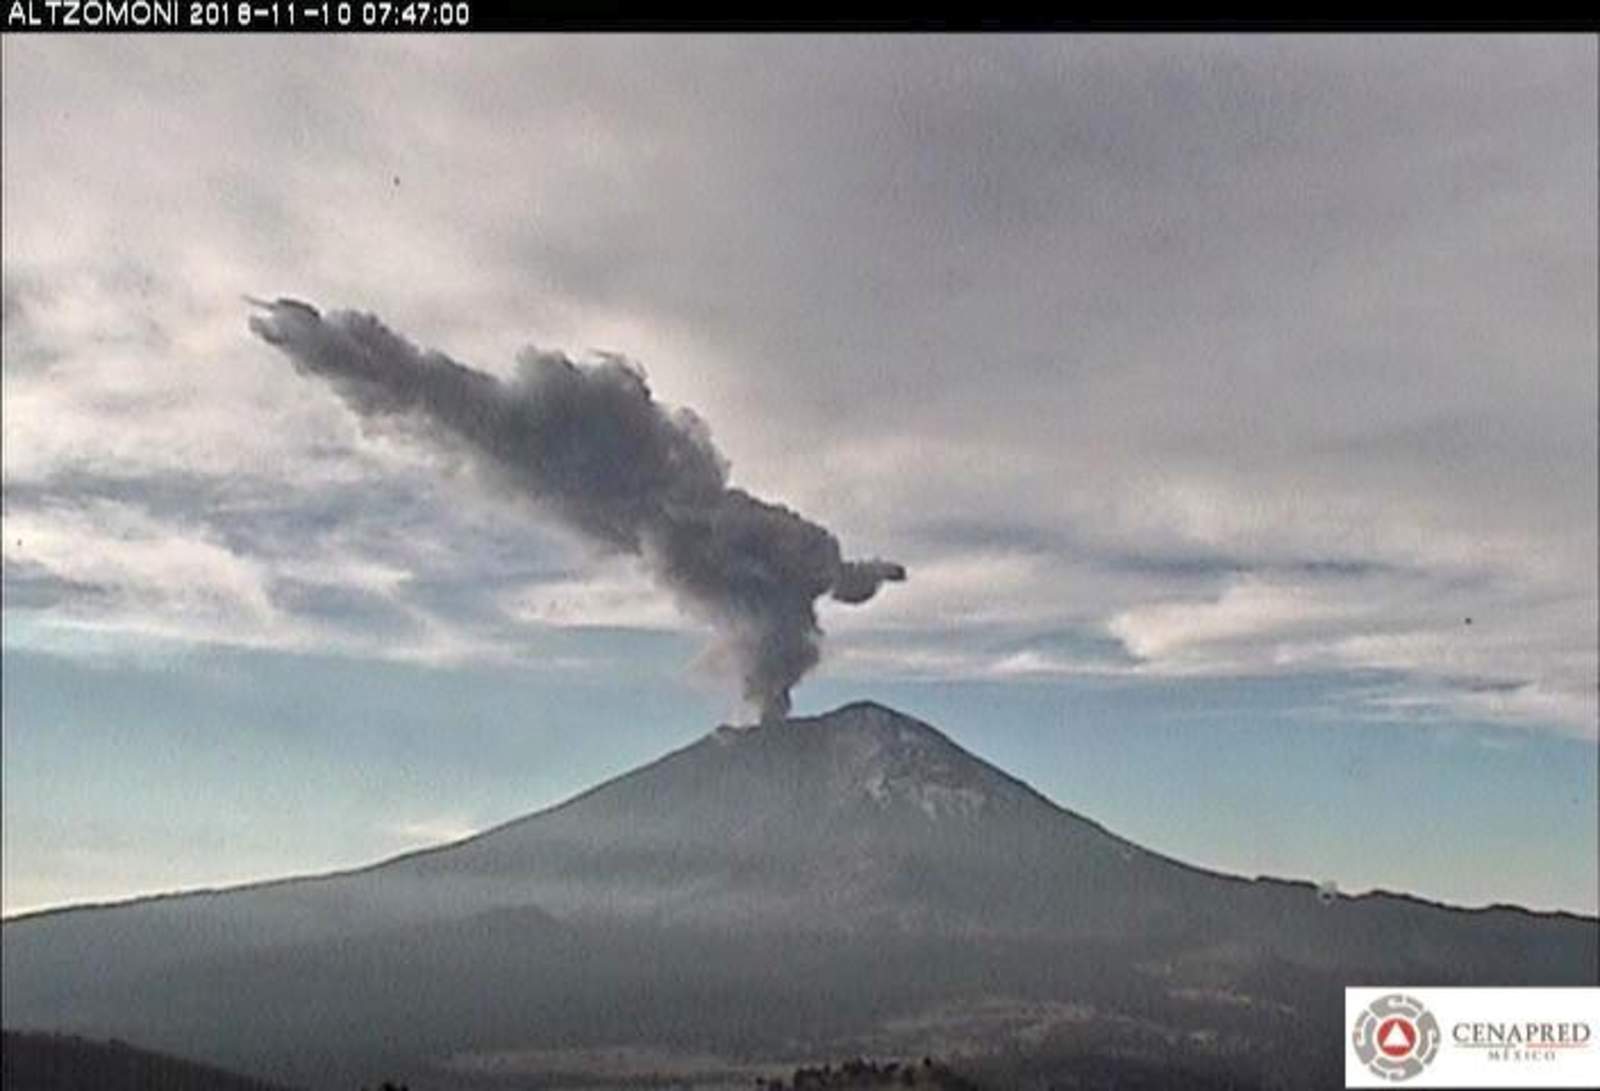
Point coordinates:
[(1474, 650), (1185, 327), (1247, 611), (118, 551), (596, 603), (424, 832)]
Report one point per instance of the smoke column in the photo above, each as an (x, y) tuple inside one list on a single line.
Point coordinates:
[(591, 446)]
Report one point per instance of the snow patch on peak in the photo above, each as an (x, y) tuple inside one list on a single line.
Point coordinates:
[(916, 769), (870, 755), (937, 801), (877, 788), (932, 796)]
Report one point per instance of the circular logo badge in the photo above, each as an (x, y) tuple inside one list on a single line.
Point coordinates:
[(1396, 1037)]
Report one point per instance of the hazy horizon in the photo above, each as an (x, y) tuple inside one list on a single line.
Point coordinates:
[(1230, 400)]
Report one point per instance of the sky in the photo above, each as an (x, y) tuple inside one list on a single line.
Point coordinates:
[(1231, 401)]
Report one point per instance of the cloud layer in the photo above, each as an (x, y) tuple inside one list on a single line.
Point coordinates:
[(1157, 357)]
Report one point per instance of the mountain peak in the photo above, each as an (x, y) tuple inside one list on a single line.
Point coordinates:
[(863, 714), (866, 753), (867, 707)]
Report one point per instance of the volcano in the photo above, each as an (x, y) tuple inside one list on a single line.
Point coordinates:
[(852, 883)]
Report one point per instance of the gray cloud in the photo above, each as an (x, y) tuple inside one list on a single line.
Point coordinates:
[(591, 446)]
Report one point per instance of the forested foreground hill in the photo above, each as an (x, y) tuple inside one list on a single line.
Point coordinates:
[(63, 1062)]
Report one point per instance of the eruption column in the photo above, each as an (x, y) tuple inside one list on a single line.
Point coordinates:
[(590, 446)]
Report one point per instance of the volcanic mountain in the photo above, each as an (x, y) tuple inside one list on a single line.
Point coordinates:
[(853, 882)]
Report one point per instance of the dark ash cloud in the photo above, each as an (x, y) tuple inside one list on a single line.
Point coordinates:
[(591, 446)]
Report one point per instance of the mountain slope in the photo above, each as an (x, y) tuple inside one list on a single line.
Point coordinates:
[(859, 867), (860, 819)]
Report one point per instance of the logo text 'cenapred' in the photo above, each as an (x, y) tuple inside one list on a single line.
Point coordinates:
[(1461, 1037)]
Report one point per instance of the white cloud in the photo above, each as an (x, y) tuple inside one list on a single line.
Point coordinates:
[(116, 550), (619, 598), (949, 592), (433, 830), (1518, 661)]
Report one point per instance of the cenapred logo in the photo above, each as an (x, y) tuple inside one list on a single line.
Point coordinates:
[(1395, 1036), (1471, 1036)]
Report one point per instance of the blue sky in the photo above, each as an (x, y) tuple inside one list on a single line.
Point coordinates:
[(1206, 385)]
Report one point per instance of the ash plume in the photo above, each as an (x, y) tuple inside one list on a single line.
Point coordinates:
[(590, 445)]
